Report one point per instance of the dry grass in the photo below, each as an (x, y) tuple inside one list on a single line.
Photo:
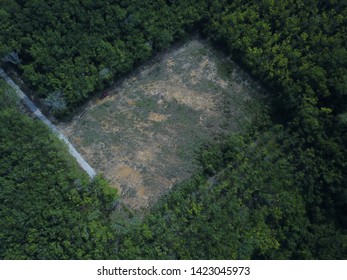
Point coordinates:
[(143, 137)]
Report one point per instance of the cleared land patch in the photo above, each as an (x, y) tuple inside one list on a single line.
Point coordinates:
[(144, 135)]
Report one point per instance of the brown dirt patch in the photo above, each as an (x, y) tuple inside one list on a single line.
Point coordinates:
[(127, 175), (155, 117), (144, 135)]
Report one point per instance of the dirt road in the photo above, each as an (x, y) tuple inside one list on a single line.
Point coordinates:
[(36, 111)]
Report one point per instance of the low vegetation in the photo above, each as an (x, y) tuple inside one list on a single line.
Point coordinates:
[(145, 135)]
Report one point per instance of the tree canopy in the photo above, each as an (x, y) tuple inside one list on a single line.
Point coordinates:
[(277, 190), (48, 207)]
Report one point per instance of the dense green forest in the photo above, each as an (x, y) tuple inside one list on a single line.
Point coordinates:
[(48, 207), (250, 202), (277, 190), (72, 48)]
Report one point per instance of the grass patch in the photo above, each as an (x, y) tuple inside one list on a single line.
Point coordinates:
[(144, 136)]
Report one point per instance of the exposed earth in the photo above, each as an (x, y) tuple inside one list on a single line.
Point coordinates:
[(143, 136)]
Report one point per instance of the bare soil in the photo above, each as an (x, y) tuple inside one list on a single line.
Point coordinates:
[(143, 137)]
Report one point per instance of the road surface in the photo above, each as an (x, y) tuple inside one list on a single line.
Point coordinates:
[(36, 111)]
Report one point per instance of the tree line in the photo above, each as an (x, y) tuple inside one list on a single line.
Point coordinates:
[(74, 48), (48, 207), (248, 203)]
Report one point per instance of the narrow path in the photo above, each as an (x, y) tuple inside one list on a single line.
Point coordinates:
[(36, 111)]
